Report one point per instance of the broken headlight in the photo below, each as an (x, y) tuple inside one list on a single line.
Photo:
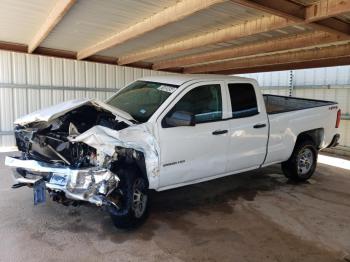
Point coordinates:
[(92, 181)]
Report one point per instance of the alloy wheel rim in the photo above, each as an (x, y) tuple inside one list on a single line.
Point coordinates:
[(305, 161), (139, 199)]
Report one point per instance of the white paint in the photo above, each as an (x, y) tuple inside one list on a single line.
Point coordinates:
[(189, 154), (329, 83)]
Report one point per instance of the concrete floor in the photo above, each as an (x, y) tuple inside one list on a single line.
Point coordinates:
[(256, 216)]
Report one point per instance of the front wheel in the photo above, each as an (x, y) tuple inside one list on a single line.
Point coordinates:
[(133, 201), (302, 163)]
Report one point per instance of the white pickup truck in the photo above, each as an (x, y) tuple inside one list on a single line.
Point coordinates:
[(165, 132)]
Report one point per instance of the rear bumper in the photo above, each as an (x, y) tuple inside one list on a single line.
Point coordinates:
[(91, 184), (335, 141)]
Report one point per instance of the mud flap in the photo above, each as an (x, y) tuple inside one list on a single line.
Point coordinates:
[(39, 190)]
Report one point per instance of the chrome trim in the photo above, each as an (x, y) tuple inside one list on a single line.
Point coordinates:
[(97, 182)]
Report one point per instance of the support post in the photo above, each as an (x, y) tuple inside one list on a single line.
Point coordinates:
[(291, 82)]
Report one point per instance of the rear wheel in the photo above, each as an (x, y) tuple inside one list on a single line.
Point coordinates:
[(133, 200), (302, 163)]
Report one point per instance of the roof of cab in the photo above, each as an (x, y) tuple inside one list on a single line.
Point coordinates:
[(179, 79)]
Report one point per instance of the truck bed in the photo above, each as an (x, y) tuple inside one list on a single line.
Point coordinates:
[(279, 104)]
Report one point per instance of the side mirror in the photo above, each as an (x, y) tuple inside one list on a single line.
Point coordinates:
[(180, 118)]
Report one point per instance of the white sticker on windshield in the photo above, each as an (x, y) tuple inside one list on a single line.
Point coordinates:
[(168, 89)]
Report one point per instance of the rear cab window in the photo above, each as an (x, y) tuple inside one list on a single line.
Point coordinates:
[(243, 100)]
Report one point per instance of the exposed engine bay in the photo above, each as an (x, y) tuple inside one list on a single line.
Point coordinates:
[(76, 148), (50, 141)]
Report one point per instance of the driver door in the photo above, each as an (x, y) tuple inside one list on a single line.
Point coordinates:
[(190, 153)]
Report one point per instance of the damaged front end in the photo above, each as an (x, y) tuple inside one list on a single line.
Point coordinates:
[(66, 185), (74, 150)]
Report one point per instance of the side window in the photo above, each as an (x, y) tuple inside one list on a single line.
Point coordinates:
[(243, 100), (204, 102)]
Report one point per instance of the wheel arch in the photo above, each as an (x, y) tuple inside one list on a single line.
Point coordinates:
[(314, 135), (131, 158)]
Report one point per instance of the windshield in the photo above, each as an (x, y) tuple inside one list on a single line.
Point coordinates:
[(141, 99)]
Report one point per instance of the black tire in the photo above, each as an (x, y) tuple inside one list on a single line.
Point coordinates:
[(294, 168), (132, 183)]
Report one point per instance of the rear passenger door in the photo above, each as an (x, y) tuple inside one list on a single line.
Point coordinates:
[(248, 128)]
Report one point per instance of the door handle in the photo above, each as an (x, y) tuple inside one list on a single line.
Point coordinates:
[(219, 132), (259, 125)]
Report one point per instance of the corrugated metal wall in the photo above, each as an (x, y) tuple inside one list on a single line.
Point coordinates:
[(338, 75), (30, 82), (330, 83)]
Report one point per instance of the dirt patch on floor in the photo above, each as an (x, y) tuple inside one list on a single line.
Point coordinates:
[(256, 216)]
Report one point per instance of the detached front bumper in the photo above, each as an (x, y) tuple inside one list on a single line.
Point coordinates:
[(90, 184)]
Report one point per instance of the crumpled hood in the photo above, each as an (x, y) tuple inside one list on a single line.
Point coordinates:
[(138, 137), (52, 112)]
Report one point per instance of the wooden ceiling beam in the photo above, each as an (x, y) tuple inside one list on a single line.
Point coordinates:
[(322, 10), (260, 25), (325, 9), (282, 8), (13, 47), (44, 51), (284, 14), (281, 44), (169, 15), (335, 51), (54, 17), (333, 26), (328, 62)]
